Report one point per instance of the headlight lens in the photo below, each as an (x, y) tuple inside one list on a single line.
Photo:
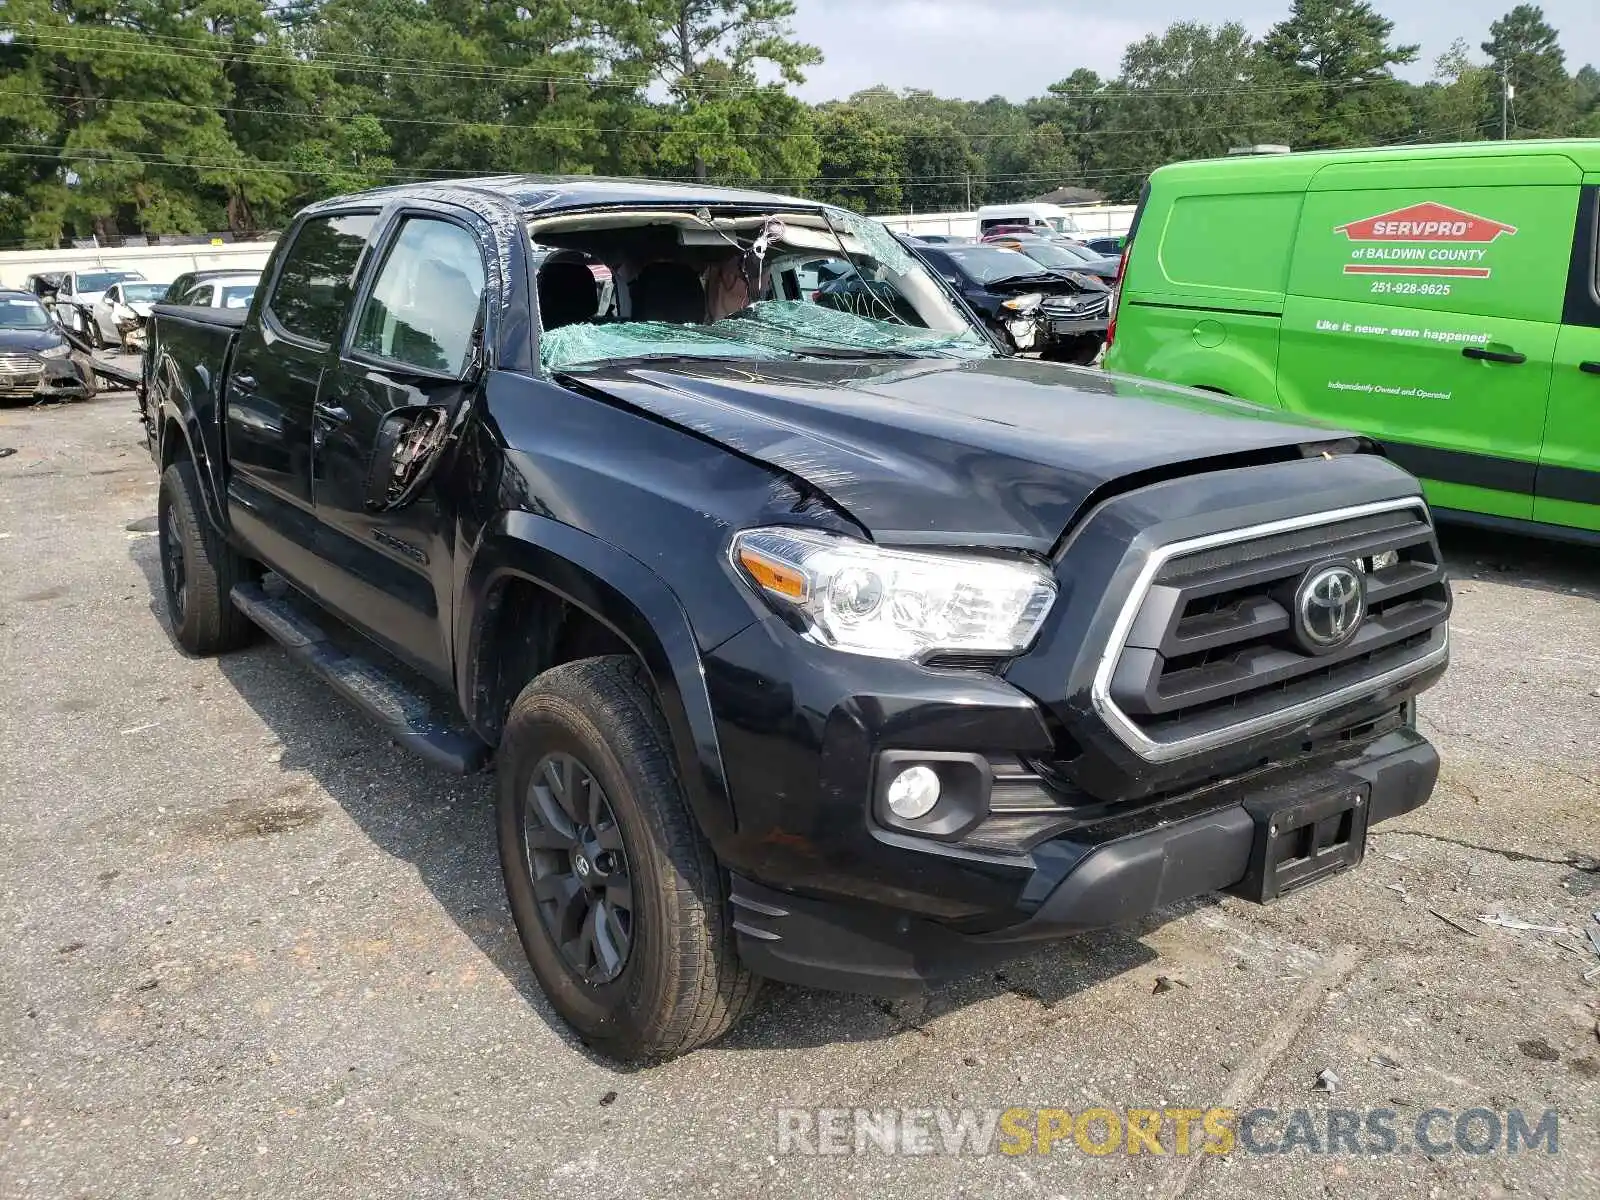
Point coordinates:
[(60, 351), (906, 604), (1024, 302)]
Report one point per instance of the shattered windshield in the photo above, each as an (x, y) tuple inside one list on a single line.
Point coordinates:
[(738, 284), (986, 264)]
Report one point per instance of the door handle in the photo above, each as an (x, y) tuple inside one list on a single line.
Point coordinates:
[(1499, 356), (1589, 368), (332, 412)]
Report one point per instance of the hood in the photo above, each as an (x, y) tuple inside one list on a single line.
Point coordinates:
[(997, 452), (140, 307), (15, 340)]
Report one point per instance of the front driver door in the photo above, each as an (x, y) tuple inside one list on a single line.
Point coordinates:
[(411, 349)]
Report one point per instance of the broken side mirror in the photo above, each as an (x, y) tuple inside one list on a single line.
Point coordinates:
[(410, 443)]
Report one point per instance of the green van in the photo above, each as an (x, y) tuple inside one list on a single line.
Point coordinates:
[(1444, 300)]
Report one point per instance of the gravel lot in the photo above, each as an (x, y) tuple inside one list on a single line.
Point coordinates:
[(254, 950)]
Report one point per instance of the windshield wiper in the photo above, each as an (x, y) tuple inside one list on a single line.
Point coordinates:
[(1021, 278), (657, 356), (825, 351)]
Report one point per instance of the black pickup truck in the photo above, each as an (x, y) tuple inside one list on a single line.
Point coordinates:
[(831, 645)]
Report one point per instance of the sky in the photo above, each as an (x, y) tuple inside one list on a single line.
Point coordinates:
[(974, 49)]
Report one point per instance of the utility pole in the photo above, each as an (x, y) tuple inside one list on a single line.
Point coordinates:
[(969, 191), (1505, 98)]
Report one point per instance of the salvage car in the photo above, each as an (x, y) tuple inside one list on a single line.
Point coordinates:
[(37, 361), (1056, 255), (839, 649), (1069, 311), (233, 289), (121, 311), (75, 293)]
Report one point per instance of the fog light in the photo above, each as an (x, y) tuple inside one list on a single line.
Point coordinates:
[(913, 793), (1382, 562)]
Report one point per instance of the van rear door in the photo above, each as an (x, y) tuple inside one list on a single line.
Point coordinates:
[(1423, 304), (1568, 488)]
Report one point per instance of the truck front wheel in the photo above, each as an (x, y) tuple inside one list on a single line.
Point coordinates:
[(198, 569), (619, 902)]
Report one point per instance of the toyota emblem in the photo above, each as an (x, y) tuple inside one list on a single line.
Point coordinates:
[(1329, 605)]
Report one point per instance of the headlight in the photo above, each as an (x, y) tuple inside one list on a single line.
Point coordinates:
[(907, 604), (1024, 302), (60, 351)]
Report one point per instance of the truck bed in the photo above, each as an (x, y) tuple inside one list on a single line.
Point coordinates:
[(186, 358)]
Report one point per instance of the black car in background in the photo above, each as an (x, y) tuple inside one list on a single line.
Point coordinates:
[(1060, 255), (36, 359), (1111, 247), (997, 282)]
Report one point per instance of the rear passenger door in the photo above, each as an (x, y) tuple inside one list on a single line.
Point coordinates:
[(1422, 309), (272, 388), (411, 353), (1568, 488)]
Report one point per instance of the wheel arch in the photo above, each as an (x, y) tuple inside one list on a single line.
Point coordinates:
[(538, 593)]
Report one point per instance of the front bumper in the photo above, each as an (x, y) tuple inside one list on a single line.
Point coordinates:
[(53, 378), (1061, 328), (809, 739), (1112, 874)]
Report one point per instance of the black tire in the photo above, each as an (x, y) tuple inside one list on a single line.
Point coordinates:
[(198, 569), (681, 984)]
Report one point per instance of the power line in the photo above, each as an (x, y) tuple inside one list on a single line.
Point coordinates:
[(752, 135), (448, 69)]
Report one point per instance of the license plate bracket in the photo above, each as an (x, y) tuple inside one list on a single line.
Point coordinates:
[(1303, 839)]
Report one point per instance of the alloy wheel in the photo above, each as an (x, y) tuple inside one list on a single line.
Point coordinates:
[(579, 867), (172, 569)]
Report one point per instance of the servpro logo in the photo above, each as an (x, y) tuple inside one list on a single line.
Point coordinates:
[(1425, 223), (1442, 241)]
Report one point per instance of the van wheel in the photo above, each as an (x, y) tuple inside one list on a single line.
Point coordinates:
[(198, 569), (619, 902)]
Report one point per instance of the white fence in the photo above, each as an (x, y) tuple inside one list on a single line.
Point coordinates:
[(1095, 220), (159, 264)]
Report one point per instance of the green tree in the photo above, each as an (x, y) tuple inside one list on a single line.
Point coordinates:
[(1190, 92), (1080, 106), (1335, 61), (706, 54), (1526, 51), (117, 106), (1450, 106), (862, 159)]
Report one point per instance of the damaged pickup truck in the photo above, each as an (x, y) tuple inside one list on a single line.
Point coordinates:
[(826, 644)]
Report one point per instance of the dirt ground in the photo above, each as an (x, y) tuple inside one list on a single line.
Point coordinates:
[(254, 950)]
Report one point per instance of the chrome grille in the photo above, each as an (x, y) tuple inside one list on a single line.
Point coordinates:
[(15, 362), (1206, 651)]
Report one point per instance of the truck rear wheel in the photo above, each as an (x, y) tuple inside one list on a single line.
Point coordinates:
[(618, 899), (198, 569)]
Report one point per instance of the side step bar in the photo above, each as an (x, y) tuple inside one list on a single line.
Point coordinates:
[(405, 715)]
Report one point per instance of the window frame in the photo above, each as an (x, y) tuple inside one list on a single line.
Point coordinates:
[(1581, 306), (270, 319), (379, 250)]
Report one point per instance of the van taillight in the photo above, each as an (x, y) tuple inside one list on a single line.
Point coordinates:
[(1116, 292)]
